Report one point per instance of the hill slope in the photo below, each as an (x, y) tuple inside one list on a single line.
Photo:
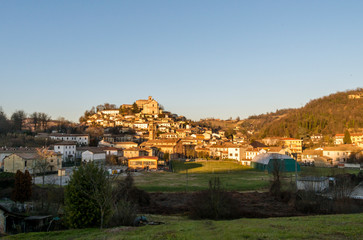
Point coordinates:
[(327, 115)]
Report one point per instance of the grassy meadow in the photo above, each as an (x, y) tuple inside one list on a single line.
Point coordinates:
[(179, 228), (192, 176)]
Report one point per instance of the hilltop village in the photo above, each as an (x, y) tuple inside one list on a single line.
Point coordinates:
[(145, 132), (142, 139)]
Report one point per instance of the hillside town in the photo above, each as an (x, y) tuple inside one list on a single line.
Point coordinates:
[(144, 131), (143, 138)]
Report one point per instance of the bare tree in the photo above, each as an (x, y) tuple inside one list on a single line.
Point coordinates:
[(35, 119), (277, 167), (44, 119), (42, 164)]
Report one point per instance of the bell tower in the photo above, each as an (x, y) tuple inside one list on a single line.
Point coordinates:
[(151, 131)]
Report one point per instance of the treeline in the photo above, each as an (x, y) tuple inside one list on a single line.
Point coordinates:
[(17, 120), (327, 115), (20, 128)]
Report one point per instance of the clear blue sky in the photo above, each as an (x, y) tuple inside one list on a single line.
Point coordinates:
[(197, 58)]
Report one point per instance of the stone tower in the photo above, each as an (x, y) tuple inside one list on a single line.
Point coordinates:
[(151, 131)]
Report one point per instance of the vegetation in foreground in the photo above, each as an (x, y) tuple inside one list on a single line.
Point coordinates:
[(312, 227)]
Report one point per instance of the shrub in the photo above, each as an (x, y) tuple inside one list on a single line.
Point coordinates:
[(214, 203), (127, 191), (127, 199), (124, 214), (7, 180)]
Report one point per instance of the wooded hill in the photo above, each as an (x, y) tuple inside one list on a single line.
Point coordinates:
[(327, 115)]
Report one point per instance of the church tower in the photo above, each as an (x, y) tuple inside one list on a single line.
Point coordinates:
[(151, 131)]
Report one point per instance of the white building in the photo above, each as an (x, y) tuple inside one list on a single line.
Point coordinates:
[(94, 155), (112, 112), (67, 149), (141, 125), (80, 139), (338, 139), (234, 152)]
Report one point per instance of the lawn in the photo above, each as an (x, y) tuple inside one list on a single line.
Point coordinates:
[(194, 176), (232, 175), (311, 227)]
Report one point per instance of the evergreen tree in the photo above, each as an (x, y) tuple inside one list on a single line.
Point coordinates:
[(22, 187), (88, 197), (346, 138), (135, 108)]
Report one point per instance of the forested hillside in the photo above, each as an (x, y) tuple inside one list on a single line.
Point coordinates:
[(327, 115)]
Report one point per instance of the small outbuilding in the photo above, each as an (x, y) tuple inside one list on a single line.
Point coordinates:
[(315, 184), (269, 161)]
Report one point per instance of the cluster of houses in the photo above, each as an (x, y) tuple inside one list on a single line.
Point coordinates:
[(155, 149), (151, 133), (149, 114)]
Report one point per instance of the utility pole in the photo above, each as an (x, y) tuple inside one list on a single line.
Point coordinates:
[(186, 186), (296, 171)]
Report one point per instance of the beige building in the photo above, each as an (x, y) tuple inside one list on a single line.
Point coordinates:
[(28, 161), (135, 152), (143, 162), (125, 145), (149, 106), (174, 147), (356, 138), (340, 153), (294, 145)]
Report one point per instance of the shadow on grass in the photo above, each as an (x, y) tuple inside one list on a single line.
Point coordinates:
[(181, 166)]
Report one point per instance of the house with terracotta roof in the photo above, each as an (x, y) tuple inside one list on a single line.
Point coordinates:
[(125, 145), (174, 147), (216, 150), (309, 155), (340, 153), (135, 152)]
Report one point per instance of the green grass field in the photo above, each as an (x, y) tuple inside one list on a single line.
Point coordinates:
[(232, 175), (194, 176), (179, 228)]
